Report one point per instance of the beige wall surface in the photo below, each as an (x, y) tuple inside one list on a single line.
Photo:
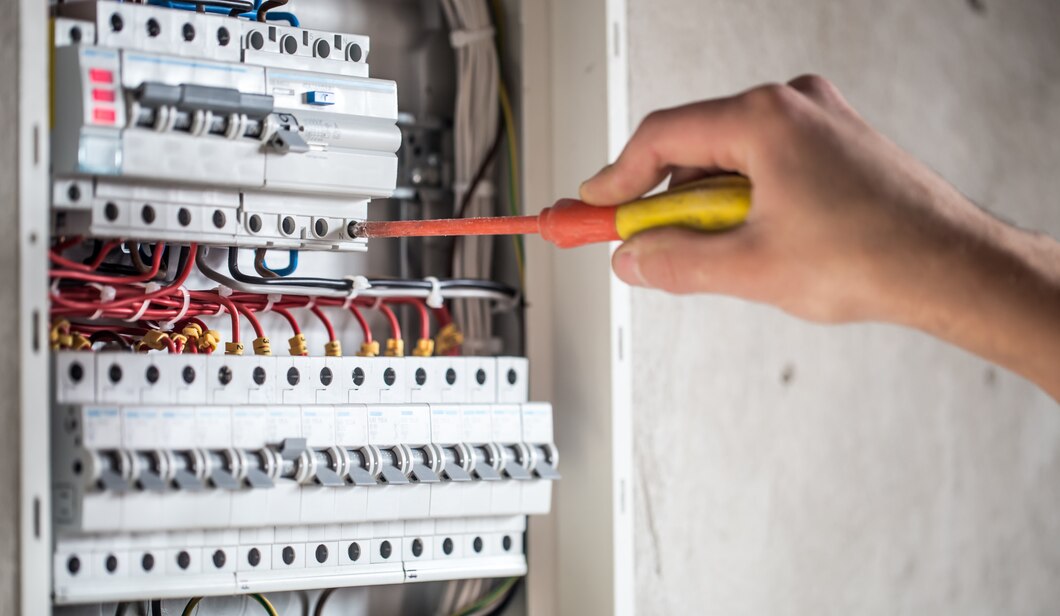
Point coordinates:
[(787, 468)]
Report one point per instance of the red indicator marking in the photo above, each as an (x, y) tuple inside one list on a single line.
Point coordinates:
[(103, 116), (102, 95), (100, 75)]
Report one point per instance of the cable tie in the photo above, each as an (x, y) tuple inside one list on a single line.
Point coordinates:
[(183, 310), (508, 304), (107, 293), (223, 291), (272, 299), (463, 38), (357, 284), (378, 302), (434, 298), (139, 313), (311, 304)]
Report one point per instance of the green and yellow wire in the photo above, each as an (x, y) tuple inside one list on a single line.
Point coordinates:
[(269, 609)]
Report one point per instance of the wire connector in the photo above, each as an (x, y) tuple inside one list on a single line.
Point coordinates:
[(448, 338), (209, 341), (333, 348), (233, 348), (369, 349), (78, 342), (395, 347), (156, 339), (262, 346), (424, 348), (297, 345)]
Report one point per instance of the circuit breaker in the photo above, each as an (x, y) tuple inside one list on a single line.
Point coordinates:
[(186, 463)]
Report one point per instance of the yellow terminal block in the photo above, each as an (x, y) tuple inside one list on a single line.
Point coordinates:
[(262, 346), (369, 349), (297, 345), (59, 337), (209, 341), (395, 347), (156, 339), (192, 330), (424, 348), (333, 348), (79, 342), (233, 348), (449, 337)]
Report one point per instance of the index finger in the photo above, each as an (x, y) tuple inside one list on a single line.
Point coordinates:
[(707, 134)]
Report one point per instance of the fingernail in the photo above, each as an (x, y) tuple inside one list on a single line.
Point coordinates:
[(627, 268)]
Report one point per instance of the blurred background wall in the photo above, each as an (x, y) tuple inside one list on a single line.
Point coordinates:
[(788, 468)]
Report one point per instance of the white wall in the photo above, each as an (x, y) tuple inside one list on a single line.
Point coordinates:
[(786, 468)]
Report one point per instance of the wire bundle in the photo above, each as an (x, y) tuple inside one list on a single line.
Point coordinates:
[(143, 309), (475, 131)]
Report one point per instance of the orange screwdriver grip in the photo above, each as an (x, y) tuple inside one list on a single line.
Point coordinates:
[(571, 223)]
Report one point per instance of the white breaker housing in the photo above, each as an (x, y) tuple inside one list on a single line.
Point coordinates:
[(179, 475), (179, 126)]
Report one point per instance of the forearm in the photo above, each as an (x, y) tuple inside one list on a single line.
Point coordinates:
[(996, 293)]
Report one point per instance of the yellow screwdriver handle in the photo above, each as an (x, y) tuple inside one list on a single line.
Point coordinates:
[(712, 204)]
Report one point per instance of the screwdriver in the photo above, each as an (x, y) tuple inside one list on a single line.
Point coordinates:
[(713, 204)]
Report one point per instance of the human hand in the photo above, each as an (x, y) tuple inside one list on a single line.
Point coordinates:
[(844, 225)]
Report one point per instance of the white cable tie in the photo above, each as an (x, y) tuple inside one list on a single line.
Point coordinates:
[(357, 284), (463, 38), (139, 313), (107, 293), (223, 291), (183, 310), (220, 310), (434, 298), (508, 304), (378, 303), (272, 299), (312, 303)]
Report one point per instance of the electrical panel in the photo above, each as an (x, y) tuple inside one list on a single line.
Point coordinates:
[(197, 127), (186, 463)]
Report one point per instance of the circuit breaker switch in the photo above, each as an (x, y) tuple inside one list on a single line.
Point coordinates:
[(330, 467), (545, 459), (188, 467), (392, 461), (424, 461), (150, 470), (453, 465), (512, 457), (110, 470), (260, 467), (484, 457), (362, 464), (222, 468)]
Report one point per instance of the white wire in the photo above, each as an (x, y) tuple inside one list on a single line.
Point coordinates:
[(475, 125)]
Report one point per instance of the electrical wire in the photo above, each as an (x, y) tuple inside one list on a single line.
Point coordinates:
[(365, 329), (322, 601), (259, 263), (325, 321), (490, 600), (190, 605), (475, 126), (395, 326), (269, 609)]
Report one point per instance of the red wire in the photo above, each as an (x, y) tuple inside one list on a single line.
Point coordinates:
[(156, 264), (182, 277), (222, 301), (325, 320), (363, 322), (285, 313), (421, 308), (395, 327)]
